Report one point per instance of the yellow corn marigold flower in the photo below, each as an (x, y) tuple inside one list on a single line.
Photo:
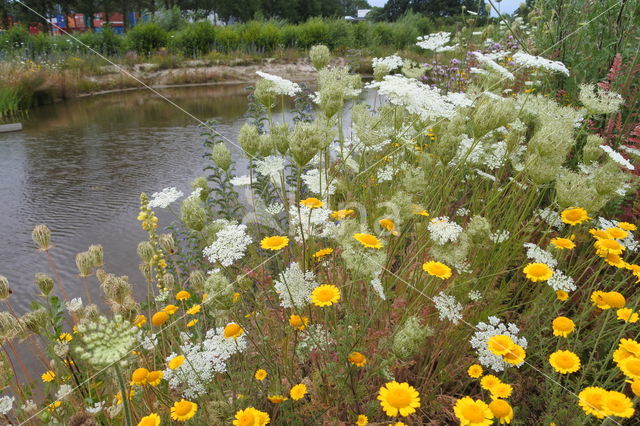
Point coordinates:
[(368, 240), (617, 233), (501, 410), (325, 295), (501, 390), (260, 374), (154, 377), (563, 243), (298, 391), (473, 412), (423, 213), (341, 214), (183, 410), (274, 243), (48, 376), (597, 298), (574, 216), (251, 417), (562, 295), (387, 224), (630, 346), (54, 405), (140, 321), (312, 203), (235, 297), (627, 315), (362, 420), (600, 234), (232, 330), (357, 359), (277, 399), (151, 420), (537, 272), (562, 326), (65, 337), (489, 381), (298, 321), (139, 376), (614, 299), (175, 362), (170, 309), (159, 318), (630, 367), (635, 386), (564, 362), (194, 310), (475, 371), (605, 247), (591, 400), (615, 260), (192, 322), (437, 269), (183, 295), (398, 399), (499, 344), (322, 253), (515, 356), (204, 297), (618, 404), (627, 226), (119, 396)]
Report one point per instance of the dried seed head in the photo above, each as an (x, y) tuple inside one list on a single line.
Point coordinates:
[(84, 262), (145, 251), (42, 237), (167, 281), (167, 243), (146, 271), (101, 274), (44, 283), (197, 279), (4, 288), (97, 252), (248, 139), (34, 320)]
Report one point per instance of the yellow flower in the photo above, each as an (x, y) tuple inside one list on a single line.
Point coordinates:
[(499, 344), (489, 381), (597, 298), (398, 398), (501, 390), (151, 420), (194, 310), (154, 377), (574, 216), (635, 386), (322, 253), (537, 272), (357, 359), (140, 321), (563, 326), (325, 295), (139, 376), (232, 330), (159, 318), (183, 295), (563, 243), (630, 367), (235, 297), (260, 374), (312, 203), (48, 376), (183, 410), (613, 299), (54, 405), (600, 234), (341, 214), (175, 362), (515, 356), (471, 412), (627, 226), (362, 420), (501, 410), (605, 247), (298, 321), (277, 399), (65, 337), (630, 346), (298, 391), (615, 260), (170, 309), (437, 269), (562, 295), (192, 322), (387, 224), (617, 233), (618, 404), (368, 240), (564, 362), (475, 371), (591, 400), (119, 396), (251, 417), (423, 213), (274, 243), (627, 315)]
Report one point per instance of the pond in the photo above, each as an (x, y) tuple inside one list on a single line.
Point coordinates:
[(79, 167)]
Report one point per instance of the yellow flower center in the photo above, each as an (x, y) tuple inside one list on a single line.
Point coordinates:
[(356, 357), (633, 365), (473, 413), (564, 361), (499, 408), (183, 408), (139, 375), (399, 398), (232, 330), (324, 294), (563, 324), (538, 270)]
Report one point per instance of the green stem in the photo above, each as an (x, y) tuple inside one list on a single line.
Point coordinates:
[(125, 395)]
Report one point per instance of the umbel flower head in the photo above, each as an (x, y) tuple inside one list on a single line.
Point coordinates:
[(105, 341), (319, 55)]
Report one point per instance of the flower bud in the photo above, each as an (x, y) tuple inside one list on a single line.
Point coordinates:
[(304, 143), (167, 243), (280, 137), (219, 291), (145, 251), (221, 156), (248, 139), (146, 271), (167, 281), (319, 55), (44, 283), (197, 279), (42, 237), (97, 252), (201, 182), (34, 320), (84, 262), (265, 145), (91, 312), (193, 215), (4, 288), (264, 92)]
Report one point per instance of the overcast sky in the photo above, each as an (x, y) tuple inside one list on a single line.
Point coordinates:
[(506, 6)]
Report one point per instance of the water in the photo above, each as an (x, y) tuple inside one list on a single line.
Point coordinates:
[(79, 167)]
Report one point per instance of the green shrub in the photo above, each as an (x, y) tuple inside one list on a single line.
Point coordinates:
[(382, 34), (341, 34), (147, 37), (261, 36), (227, 38), (291, 35), (196, 39), (107, 42), (361, 34), (314, 31), (15, 38)]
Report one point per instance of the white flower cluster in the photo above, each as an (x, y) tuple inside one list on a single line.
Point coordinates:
[(552, 218), (499, 236), (377, 286), (540, 255), (295, 286), (74, 305), (315, 222), (615, 156), (391, 62), (314, 338), (475, 295), (270, 166), (598, 100), (317, 183), (147, 342), (435, 41), (470, 151), (448, 307), (418, 98), (230, 245), (443, 230), (463, 211), (202, 361), (274, 208), (64, 391), (480, 338), (281, 85), (531, 61), (165, 197), (241, 180), (95, 408), (561, 281), (630, 150), (385, 174), (6, 404), (493, 65)]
